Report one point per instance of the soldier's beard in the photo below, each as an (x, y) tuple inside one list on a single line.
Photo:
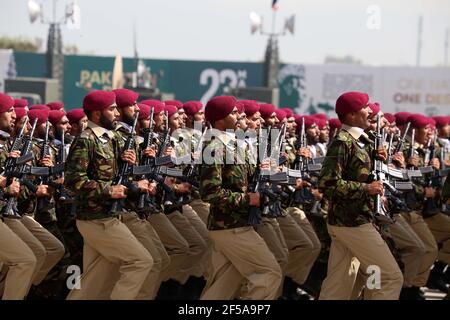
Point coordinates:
[(106, 123), (129, 120)]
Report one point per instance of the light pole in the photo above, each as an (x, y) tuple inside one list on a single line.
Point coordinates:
[(271, 59), (54, 55)]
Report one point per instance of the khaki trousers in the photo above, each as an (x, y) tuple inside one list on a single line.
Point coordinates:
[(269, 230), (202, 230), (197, 248), (440, 228), (411, 248), (110, 239), (202, 209), (174, 243), (365, 244), (21, 263), (303, 243), (416, 222), (238, 255), (45, 246)]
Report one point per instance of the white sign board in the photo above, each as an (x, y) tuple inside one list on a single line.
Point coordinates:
[(315, 88)]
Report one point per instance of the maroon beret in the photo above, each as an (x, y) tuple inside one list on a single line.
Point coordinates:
[(55, 105), (309, 121), (389, 117), (441, 121), (375, 107), (266, 110), (176, 103), (402, 117), (322, 116), (298, 120), (158, 106), (219, 107), (54, 116), (40, 115), (75, 115), (20, 103), (321, 123), (171, 110), (192, 107), (20, 113), (418, 120), (6, 102), (240, 107), (351, 102), (281, 115), (432, 123), (125, 97), (335, 123), (250, 107), (289, 112), (144, 111), (40, 107), (98, 100)]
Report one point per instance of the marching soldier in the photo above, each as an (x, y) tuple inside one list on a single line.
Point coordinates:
[(238, 251), (175, 244), (18, 259), (344, 183), (90, 168)]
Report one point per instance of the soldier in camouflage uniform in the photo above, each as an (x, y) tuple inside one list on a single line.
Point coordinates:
[(185, 219), (238, 251), (90, 168), (437, 222), (175, 244), (344, 183), (138, 225), (17, 258), (415, 157)]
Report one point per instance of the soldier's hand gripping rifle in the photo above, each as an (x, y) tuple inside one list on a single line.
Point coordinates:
[(125, 169), (18, 169)]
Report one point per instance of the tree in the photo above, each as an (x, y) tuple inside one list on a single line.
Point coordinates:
[(21, 44)]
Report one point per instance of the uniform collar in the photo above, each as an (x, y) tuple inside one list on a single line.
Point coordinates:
[(99, 131), (355, 132)]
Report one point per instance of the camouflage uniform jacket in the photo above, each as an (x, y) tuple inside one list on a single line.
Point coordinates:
[(344, 175), (224, 186), (90, 167)]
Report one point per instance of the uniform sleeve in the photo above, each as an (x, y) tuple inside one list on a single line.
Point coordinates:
[(76, 173), (331, 181), (212, 191)]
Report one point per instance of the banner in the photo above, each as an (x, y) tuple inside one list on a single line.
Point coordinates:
[(315, 88)]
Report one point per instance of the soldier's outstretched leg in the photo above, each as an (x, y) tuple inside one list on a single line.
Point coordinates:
[(366, 244), (270, 231), (304, 246), (197, 248), (53, 247), (415, 220), (112, 240), (412, 251), (21, 261), (241, 252), (32, 242), (174, 243)]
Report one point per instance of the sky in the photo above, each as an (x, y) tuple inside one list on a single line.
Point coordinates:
[(378, 32)]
